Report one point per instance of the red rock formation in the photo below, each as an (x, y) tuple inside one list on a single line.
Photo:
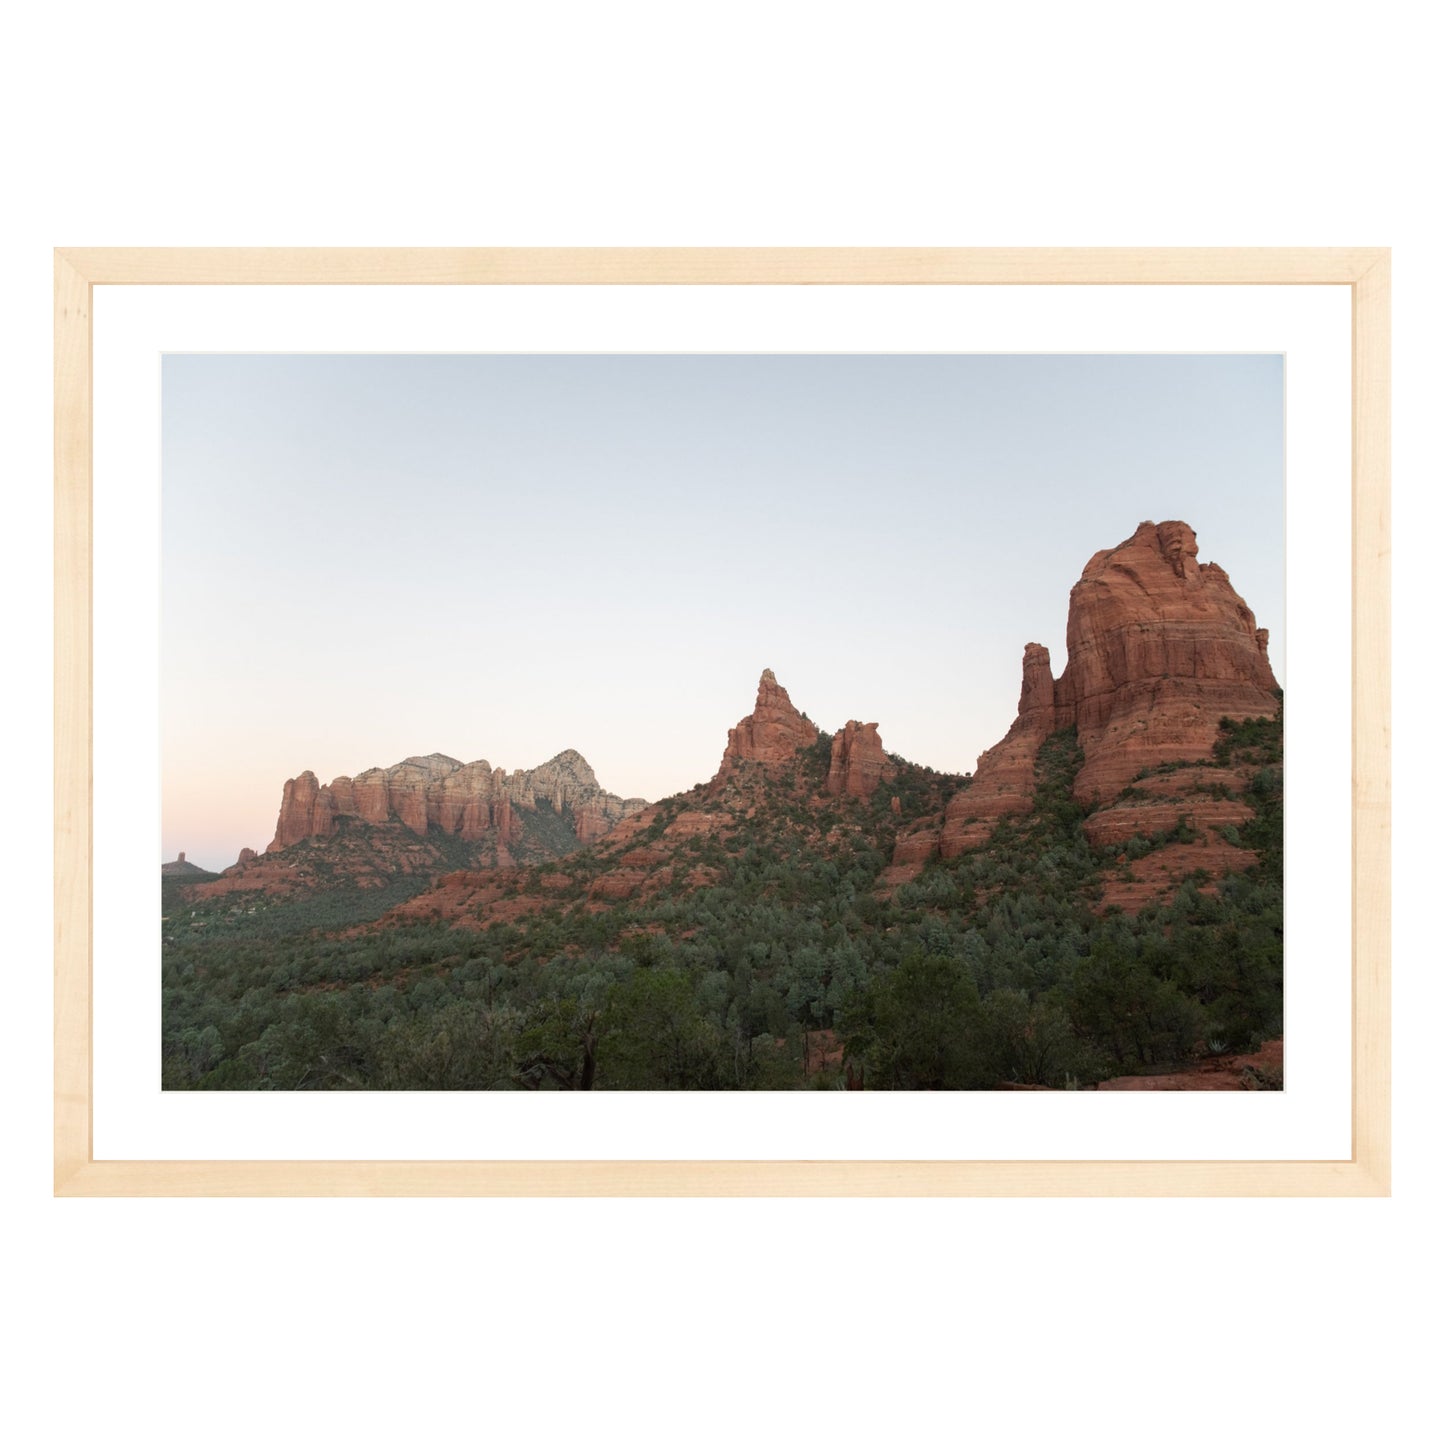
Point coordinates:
[(772, 733), (245, 856), (467, 800), (407, 785), (1036, 696), (915, 846), (370, 796), (306, 812), (1160, 649), (343, 796), (1004, 780), (592, 821), (504, 821), (462, 801), (1155, 804), (858, 762)]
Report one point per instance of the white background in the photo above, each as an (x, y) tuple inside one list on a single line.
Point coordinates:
[(784, 124), (1310, 325)]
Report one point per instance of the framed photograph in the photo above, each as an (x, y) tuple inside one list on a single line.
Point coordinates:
[(722, 722)]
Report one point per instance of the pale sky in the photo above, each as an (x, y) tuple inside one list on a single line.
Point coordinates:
[(499, 557)]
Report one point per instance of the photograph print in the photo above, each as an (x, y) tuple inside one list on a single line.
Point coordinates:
[(708, 722)]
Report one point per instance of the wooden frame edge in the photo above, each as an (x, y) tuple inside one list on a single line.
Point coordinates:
[(1370, 720), (72, 702), (722, 266), (1365, 269), (727, 1178)]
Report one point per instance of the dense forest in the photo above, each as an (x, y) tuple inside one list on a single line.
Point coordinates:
[(773, 959)]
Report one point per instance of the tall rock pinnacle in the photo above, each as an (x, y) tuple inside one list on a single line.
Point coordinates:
[(773, 732)]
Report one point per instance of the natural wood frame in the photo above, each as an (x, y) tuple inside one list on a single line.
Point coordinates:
[(1365, 270)]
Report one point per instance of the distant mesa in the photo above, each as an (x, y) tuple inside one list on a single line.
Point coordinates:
[(401, 827), (470, 801), (181, 869)]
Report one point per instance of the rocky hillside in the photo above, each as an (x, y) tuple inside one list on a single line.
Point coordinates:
[(781, 784)]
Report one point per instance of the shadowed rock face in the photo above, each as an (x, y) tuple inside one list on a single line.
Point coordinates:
[(470, 800), (773, 732), (1160, 649)]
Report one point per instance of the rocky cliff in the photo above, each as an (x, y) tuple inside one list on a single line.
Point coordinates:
[(471, 801), (858, 763), (1160, 649), (771, 733)]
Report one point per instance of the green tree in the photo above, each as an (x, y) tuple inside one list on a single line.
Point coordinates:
[(655, 1036), (558, 1046), (920, 1026), (462, 1046), (1135, 1016), (1032, 1041)]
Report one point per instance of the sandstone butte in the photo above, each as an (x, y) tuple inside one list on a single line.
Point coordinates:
[(1160, 648), (468, 800)]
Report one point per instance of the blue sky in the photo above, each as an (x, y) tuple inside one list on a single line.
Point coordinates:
[(366, 557)]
